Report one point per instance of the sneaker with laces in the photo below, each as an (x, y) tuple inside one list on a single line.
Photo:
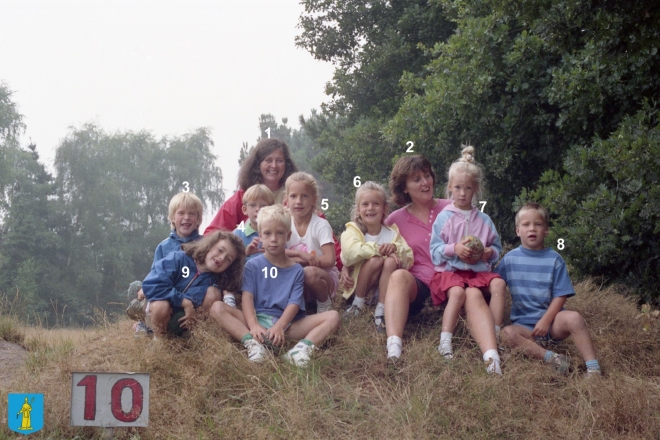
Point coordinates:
[(299, 355), (230, 300), (255, 350), (141, 330), (352, 312), (379, 320), (446, 351), (592, 374), (560, 363)]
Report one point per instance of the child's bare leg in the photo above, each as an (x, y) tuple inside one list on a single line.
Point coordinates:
[(402, 291), (230, 319), (212, 295), (456, 300), (497, 289), (317, 284), (517, 336), (389, 266), (571, 323), (369, 273), (161, 311), (315, 328), (480, 320)]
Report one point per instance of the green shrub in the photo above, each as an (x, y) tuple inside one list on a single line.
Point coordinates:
[(606, 205)]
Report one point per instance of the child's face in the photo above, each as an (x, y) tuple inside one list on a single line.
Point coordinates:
[(371, 208), (251, 209), (531, 229), (419, 186), (274, 235), (462, 188), (272, 169), (185, 221), (220, 256), (300, 199)]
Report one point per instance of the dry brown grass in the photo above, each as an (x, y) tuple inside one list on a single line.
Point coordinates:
[(206, 388)]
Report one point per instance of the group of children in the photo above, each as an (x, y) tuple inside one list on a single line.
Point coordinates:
[(283, 257)]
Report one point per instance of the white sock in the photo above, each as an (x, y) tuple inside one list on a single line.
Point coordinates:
[(394, 344), (493, 362), (380, 310), (445, 345), (323, 306), (358, 302)]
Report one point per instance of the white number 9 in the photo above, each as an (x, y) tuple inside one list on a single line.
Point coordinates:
[(186, 271)]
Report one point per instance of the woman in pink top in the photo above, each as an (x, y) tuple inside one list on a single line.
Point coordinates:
[(411, 183)]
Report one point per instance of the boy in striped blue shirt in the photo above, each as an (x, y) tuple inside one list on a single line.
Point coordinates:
[(539, 285)]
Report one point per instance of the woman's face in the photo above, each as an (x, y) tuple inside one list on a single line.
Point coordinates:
[(272, 169), (419, 186)]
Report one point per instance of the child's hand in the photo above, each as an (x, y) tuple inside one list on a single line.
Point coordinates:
[(310, 259), (189, 310), (488, 252), (541, 329), (276, 335), (345, 279), (463, 252), (259, 333), (386, 249), (253, 247)]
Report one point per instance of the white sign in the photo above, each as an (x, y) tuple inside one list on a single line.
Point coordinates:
[(110, 399)]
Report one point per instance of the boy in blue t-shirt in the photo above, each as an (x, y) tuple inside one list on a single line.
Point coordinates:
[(273, 303), (255, 198), (539, 285)]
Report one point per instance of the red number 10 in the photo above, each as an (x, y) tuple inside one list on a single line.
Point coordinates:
[(89, 382)]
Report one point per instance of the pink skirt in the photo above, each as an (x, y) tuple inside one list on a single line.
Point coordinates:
[(443, 281)]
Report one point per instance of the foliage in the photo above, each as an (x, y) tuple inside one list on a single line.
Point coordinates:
[(606, 204), (11, 126)]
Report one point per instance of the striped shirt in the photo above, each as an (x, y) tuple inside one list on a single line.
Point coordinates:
[(534, 278)]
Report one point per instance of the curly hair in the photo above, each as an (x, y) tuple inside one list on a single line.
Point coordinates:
[(232, 278), (404, 168), (250, 172)]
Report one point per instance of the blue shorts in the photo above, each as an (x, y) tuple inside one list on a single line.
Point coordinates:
[(542, 340)]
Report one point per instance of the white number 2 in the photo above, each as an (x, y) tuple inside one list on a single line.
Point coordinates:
[(410, 147)]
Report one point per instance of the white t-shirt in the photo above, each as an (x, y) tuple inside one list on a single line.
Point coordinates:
[(319, 232), (385, 236)]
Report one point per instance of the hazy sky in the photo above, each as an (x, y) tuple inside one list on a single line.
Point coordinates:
[(165, 66)]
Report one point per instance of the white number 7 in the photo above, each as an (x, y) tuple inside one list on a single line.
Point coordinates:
[(483, 206)]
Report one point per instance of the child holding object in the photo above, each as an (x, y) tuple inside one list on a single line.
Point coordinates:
[(185, 280), (311, 242), (371, 251), (464, 245), (273, 304), (539, 285)]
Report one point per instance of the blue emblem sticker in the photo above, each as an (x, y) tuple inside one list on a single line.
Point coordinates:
[(25, 412)]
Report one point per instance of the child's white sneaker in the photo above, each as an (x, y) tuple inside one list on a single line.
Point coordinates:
[(256, 351), (352, 312), (230, 300), (299, 355)]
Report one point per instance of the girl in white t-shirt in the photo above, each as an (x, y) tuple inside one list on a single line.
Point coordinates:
[(371, 251), (311, 243)]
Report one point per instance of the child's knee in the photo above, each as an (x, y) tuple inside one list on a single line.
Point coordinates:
[(456, 293), (374, 263), (212, 294), (573, 319), (334, 319), (390, 264)]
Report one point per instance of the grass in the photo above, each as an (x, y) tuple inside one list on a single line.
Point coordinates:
[(205, 388)]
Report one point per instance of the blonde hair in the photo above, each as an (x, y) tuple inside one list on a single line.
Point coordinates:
[(187, 200), (534, 206), (258, 192), (466, 164), (274, 213), (305, 178), (355, 211)]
